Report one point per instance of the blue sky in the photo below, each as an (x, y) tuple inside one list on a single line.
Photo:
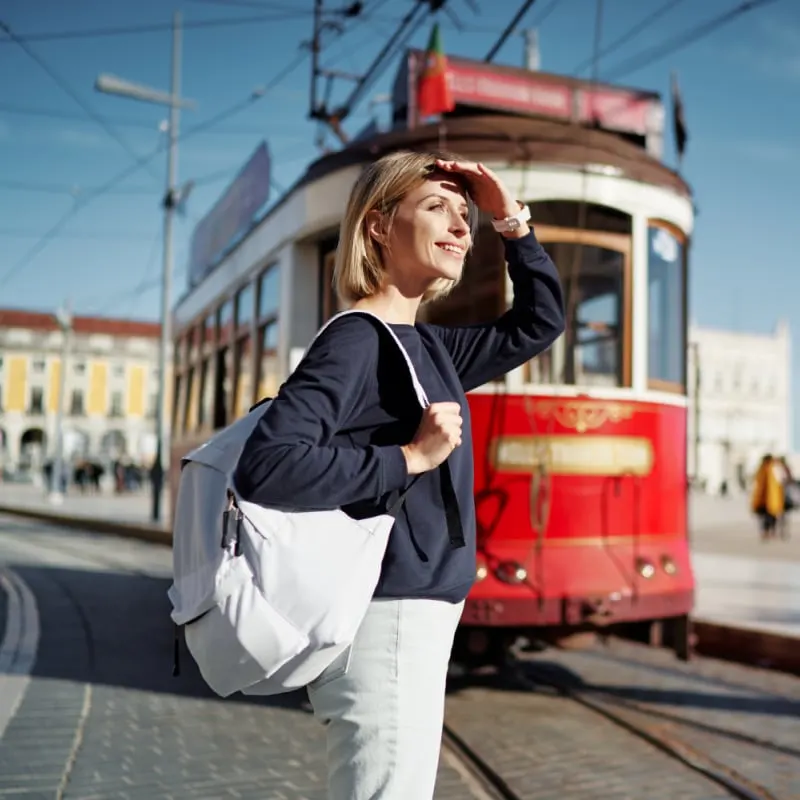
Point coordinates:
[(741, 88)]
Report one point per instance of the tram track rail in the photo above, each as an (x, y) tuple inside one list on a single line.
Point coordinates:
[(484, 781), (664, 735), (734, 751)]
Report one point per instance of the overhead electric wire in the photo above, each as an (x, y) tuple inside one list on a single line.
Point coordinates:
[(373, 71), (523, 9), (646, 57), (154, 27), (628, 34), (83, 201), (68, 90), (120, 122), (75, 190)]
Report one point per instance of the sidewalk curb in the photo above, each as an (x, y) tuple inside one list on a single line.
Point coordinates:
[(756, 648)]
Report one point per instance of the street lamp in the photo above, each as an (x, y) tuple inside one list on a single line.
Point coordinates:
[(110, 84), (64, 320)]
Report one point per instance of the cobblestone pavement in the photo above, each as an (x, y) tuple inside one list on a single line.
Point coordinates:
[(747, 720), (103, 718)]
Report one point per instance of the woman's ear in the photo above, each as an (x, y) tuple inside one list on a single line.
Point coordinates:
[(376, 226)]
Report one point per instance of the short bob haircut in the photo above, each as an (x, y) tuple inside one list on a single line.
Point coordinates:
[(358, 269)]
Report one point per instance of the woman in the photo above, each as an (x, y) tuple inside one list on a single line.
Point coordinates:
[(767, 500), (346, 431)]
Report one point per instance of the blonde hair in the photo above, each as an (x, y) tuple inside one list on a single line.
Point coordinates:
[(358, 270)]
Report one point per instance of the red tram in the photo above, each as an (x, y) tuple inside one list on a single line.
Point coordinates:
[(580, 455)]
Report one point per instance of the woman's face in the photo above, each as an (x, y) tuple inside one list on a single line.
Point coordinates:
[(430, 236)]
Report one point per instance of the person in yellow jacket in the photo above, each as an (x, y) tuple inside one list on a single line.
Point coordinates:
[(768, 498)]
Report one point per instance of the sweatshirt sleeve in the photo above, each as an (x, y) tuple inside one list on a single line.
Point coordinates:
[(481, 353), (288, 460)]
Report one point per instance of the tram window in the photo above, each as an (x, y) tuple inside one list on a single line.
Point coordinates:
[(188, 397), (569, 214), (667, 329), (223, 380), (592, 350), (206, 393), (176, 405), (269, 292), (244, 306), (268, 371), (226, 321), (243, 397), (209, 330)]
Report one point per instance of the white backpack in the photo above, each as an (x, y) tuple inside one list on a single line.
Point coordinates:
[(268, 598)]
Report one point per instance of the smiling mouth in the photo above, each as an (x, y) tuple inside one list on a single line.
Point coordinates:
[(452, 249)]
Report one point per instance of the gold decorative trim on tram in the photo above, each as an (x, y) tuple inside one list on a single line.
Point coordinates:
[(583, 415), (565, 454)]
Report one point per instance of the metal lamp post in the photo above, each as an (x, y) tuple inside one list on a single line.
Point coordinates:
[(111, 84), (64, 319)]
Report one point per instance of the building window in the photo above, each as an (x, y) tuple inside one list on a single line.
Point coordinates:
[(116, 405), (76, 407), (37, 401), (667, 329)]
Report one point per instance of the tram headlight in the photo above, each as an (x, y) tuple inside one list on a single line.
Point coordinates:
[(511, 572), (668, 565), (645, 568), (481, 571)]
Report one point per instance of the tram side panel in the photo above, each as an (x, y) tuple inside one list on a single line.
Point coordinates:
[(581, 509)]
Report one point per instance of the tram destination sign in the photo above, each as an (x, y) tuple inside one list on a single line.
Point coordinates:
[(231, 216), (480, 85)]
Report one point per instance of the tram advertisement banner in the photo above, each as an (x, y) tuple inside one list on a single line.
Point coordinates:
[(231, 216), (474, 83)]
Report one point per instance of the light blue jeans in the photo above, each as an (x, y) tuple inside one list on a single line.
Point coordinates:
[(383, 702)]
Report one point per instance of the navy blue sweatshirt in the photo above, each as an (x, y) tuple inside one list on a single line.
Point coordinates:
[(332, 436)]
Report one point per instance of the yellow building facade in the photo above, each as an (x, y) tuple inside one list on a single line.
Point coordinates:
[(110, 390)]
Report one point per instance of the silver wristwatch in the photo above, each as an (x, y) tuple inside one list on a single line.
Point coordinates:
[(513, 222)]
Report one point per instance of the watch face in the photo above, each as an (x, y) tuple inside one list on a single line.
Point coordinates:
[(513, 224)]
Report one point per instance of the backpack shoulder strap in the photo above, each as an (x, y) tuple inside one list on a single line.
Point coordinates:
[(419, 391)]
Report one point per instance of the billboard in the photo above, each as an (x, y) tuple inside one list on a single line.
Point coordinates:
[(521, 91), (231, 216)]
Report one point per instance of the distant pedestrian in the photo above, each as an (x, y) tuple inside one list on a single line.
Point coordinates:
[(767, 500)]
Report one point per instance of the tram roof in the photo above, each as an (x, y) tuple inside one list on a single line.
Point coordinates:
[(515, 140)]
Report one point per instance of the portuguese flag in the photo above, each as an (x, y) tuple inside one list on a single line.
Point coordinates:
[(434, 95)]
